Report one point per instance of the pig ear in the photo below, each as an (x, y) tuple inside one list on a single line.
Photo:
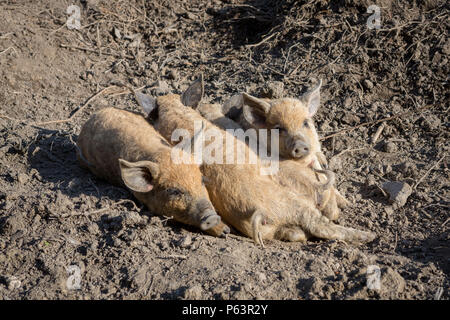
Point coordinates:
[(194, 94), (254, 110), (312, 99), (139, 176), (258, 105), (146, 102), (255, 119)]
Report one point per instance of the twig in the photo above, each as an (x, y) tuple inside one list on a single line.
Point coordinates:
[(6, 35), (6, 117), (6, 50), (382, 191), (113, 205), (438, 294), (56, 30), (395, 243), (347, 150), (76, 112), (428, 171), (179, 256), (446, 222), (378, 133), (262, 41), (131, 90)]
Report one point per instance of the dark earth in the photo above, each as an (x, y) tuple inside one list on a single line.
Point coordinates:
[(56, 217)]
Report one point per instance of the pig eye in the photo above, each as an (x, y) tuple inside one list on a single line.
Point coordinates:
[(279, 128), (306, 124), (174, 192)]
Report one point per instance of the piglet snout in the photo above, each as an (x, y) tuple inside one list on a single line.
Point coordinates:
[(300, 149)]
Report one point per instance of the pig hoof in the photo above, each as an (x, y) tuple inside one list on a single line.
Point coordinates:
[(260, 240), (209, 221), (226, 231)]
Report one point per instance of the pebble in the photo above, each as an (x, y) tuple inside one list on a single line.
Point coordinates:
[(193, 293), (13, 282), (261, 276), (390, 147), (348, 102), (392, 282), (368, 84), (93, 228), (398, 191), (117, 33), (184, 242), (133, 217), (389, 210), (22, 178), (284, 275)]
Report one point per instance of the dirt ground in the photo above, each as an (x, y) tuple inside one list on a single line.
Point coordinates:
[(59, 223)]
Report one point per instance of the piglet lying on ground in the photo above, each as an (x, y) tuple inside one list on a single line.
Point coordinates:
[(124, 149)]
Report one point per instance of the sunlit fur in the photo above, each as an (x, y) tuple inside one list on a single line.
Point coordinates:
[(113, 134), (291, 114), (240, 193), (294, 174)]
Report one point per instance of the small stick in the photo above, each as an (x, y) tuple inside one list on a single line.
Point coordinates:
[(56, 30), (98, 42), (395, 243), (6, 117), (130, 90), (438, 294), (378, 133), (6, 35), (347, 150), (5, 50), (446, 222), (112, 206), (262, 41), (382, 191), (428, 171), (179, 256)]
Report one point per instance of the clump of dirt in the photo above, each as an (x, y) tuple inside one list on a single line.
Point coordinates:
[(66, 234)]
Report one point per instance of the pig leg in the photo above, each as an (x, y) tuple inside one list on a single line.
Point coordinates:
[(326, 194), (340, 200), (313, 222), (220, 230), (323, 198), (257, 221), (328, 205), (323, 163), (291, 234)]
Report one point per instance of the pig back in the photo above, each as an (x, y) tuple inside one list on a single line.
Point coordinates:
[(113, 133)]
